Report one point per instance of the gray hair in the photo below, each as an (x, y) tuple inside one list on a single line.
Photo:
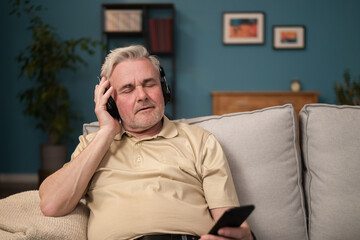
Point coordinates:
[(119, 55)]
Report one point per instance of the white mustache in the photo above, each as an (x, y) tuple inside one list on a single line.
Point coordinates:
[(143, 105)]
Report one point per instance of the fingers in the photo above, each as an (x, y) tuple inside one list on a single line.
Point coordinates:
[(243, 232), (212, 237), (235, 233), (100, 96)]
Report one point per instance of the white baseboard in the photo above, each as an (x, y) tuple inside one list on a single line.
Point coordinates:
[(30, 178)]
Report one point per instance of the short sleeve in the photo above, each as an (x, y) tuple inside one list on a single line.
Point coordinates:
[(218, 183), (84, 141)]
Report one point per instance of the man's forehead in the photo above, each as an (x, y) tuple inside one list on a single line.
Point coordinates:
[(132, 73), (137, 67)]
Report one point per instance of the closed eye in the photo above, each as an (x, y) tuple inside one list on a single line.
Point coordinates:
[(127, 88), (149, 82)]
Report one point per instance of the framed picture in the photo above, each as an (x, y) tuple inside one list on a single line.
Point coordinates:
[(243, 27), (289, 37), (119, 20)]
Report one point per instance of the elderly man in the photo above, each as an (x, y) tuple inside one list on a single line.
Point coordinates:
[(143, 176)]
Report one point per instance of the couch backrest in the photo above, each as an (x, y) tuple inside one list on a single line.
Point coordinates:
[(263, 153), (330, 140)]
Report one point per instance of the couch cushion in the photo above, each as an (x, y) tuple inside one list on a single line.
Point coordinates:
[(90, 127), (330, 138), (21, 218), (263, 154)]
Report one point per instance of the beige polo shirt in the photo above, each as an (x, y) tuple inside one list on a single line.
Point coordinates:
[(163, 184)]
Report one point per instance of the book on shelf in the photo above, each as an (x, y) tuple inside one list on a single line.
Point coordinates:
[(160, 30), (123, 20)]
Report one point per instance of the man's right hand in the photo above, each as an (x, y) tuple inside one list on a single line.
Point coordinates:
[(101, 96), (61, 191)]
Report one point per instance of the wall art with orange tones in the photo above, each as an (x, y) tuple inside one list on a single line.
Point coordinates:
[(243, 28), (289, 37)]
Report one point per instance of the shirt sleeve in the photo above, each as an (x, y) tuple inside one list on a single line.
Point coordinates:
[(218, 183), (84, 141)]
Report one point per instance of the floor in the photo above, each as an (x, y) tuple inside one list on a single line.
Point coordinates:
[(7, 189)]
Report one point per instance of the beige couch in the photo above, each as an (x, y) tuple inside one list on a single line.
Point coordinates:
[(313, 194)]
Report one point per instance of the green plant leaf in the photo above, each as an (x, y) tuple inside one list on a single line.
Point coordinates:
[(349, 94), (47, 100)]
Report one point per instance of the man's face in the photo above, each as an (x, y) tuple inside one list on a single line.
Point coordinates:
[(138, 94)]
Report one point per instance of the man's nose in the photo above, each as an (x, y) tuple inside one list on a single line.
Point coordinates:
[(141, 93)]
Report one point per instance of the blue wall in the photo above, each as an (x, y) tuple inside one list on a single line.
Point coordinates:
[(204, 64)]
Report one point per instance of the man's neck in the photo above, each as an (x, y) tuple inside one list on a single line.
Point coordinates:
[(150, 132)]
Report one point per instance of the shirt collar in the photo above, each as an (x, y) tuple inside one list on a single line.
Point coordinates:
[(168, 130)]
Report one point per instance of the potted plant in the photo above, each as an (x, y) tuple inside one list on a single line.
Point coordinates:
[(349, 94), (47, 100)]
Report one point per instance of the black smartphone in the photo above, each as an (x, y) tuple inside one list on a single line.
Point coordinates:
[(112, 109), (111, 106), (233, 217)]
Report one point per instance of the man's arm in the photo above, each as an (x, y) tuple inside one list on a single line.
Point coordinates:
[(61, 192), (243, 232)]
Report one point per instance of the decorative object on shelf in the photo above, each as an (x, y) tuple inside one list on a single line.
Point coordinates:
[(349, 94), (117, 20), (295, 85), (46, 99), (243, 28), (289, 37)]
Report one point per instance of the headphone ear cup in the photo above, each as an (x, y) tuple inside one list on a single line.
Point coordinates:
[(166, 91), (164, 86)]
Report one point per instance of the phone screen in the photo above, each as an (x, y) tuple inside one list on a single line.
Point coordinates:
[(233, 217)]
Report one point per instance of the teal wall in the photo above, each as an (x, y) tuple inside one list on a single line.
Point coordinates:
[(203, 63)]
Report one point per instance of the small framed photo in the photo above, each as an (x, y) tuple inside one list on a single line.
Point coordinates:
[(243, 27), (289, 37), (120, 20)]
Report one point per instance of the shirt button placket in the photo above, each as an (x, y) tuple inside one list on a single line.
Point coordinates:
[(138, 158)]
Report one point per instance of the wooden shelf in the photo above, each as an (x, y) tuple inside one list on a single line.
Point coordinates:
[(124, 34)]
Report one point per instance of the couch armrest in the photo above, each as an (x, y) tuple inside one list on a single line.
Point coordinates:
[(21, 218)]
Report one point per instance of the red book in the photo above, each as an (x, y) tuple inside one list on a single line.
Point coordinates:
[(153, 35), (161, 35)]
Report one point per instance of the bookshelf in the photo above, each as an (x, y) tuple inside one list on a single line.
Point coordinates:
[(148, 24)]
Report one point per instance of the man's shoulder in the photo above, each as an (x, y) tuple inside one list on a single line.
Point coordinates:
[(189, 128)]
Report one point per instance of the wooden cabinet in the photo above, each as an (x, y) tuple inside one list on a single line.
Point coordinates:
[(229, 102)]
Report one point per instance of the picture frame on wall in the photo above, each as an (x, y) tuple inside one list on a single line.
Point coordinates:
[(120, 20), (243, 28), (289, 37)]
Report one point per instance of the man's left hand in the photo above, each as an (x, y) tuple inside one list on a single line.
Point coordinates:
[(243, 232)]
